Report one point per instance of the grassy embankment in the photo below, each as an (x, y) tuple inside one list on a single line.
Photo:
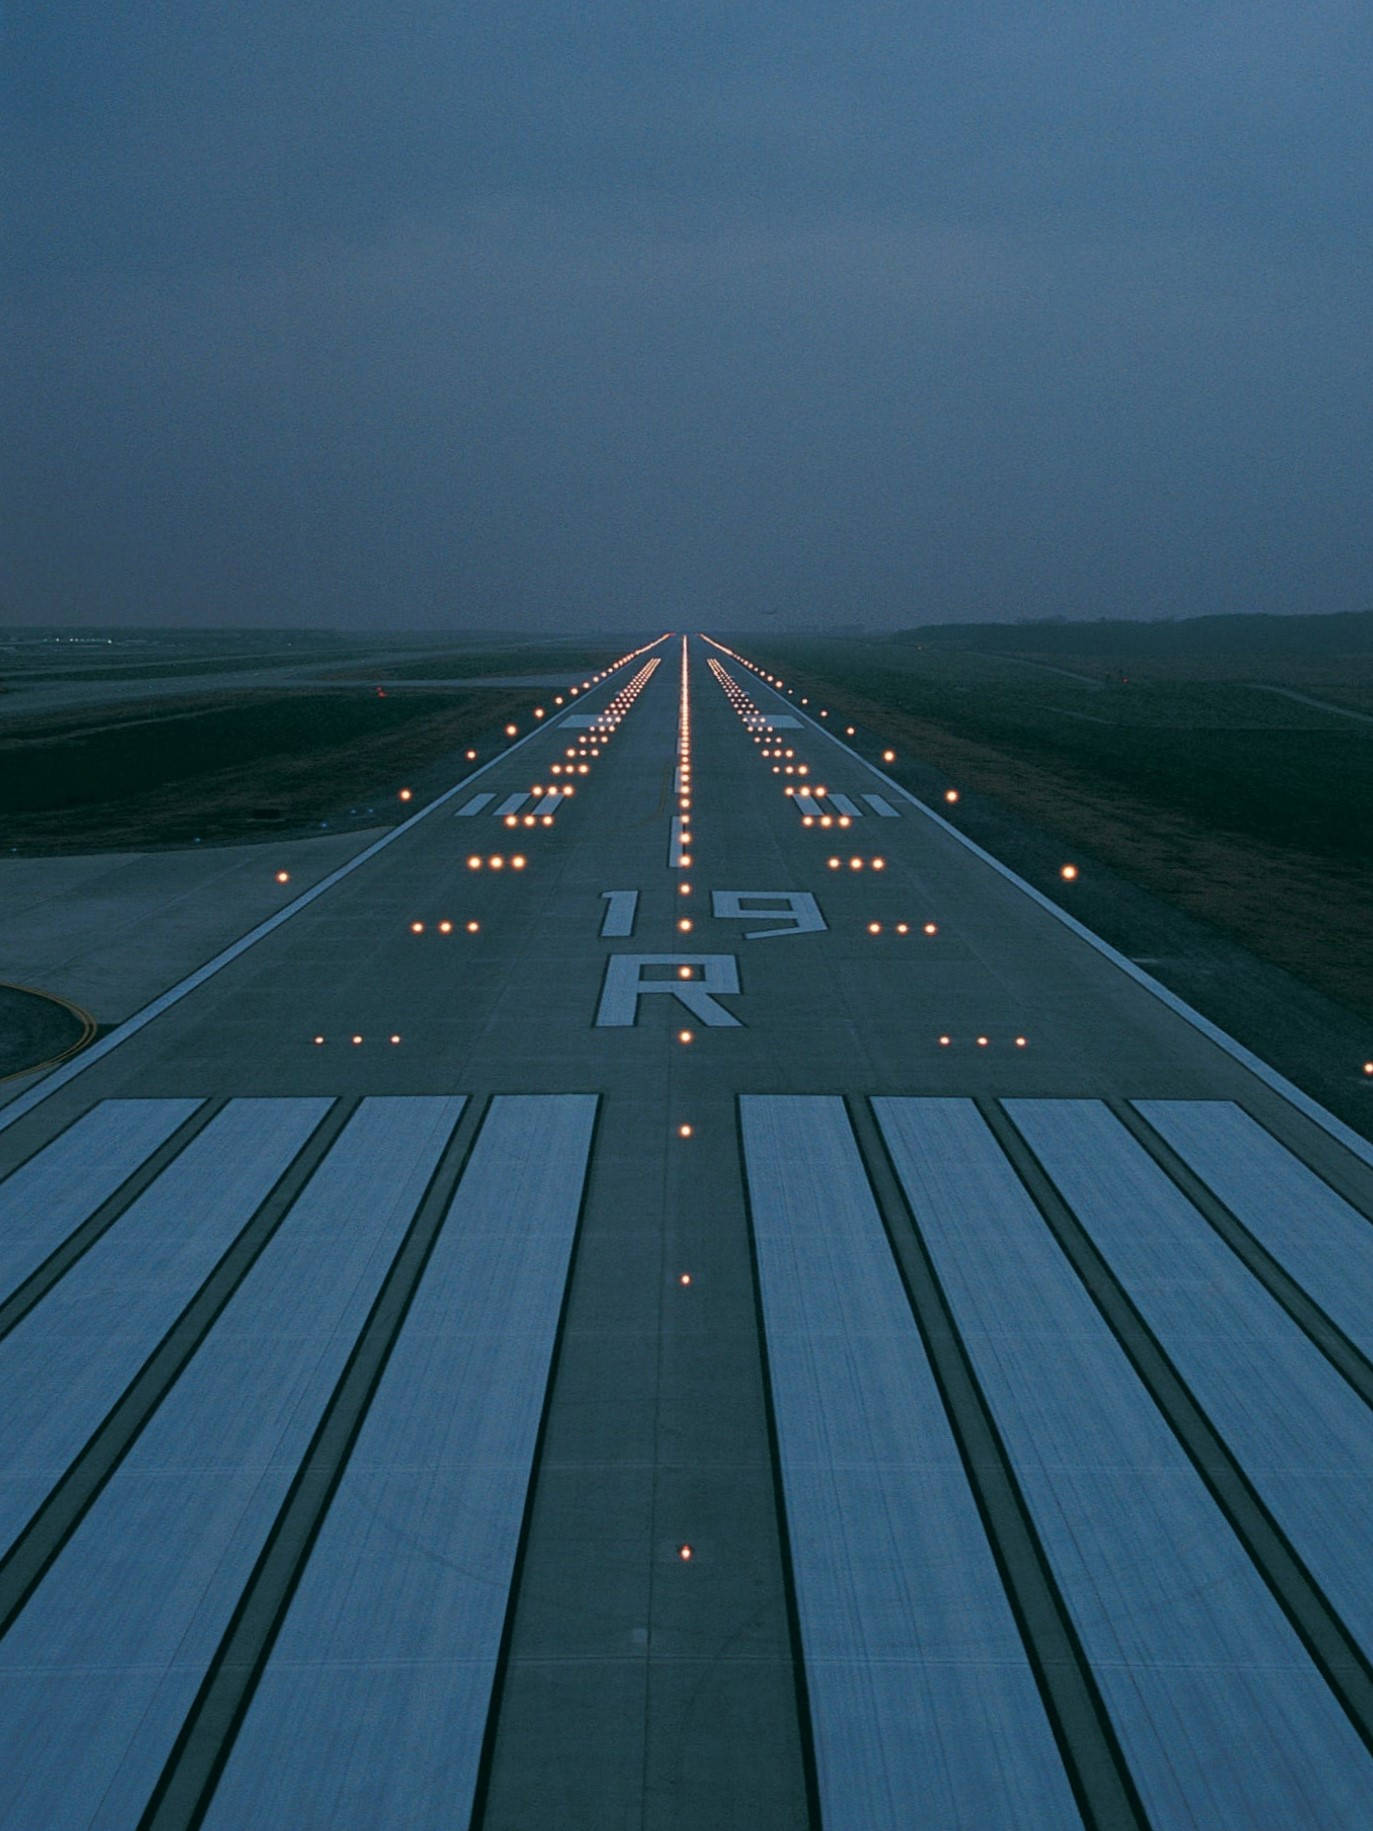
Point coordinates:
[(1167, 758), (230, 766)]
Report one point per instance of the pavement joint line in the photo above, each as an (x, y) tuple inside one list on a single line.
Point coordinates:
[(1092, 1757), (42, 1540), (1333, 1650), (1308, 1315), (1312, 1109), (206, 1739), (68, 1071), (27, 1295)]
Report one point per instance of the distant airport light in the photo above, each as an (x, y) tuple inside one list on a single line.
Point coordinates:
[(283, 877), (407, 794), (903, 928), (844, 819), (944, 1041), (394, 1039), (511, 730), (833, 863), (445, 928), (874, 928), (1067, 873), (1020, 1042), (685, 1036), (684, 925), (512, 820), (951, 795), (473, 927), (496, 862), (318, 1041), (931, 928), (685, 1131), (471, 756), (684, 889), (855, 864), (474, 864), (685, 859), (685, 1278), (685, 1553), (848, 731), (417, 928), (518, 862), (982, 1042), (538, 711), (356, 1040), (888, 756)]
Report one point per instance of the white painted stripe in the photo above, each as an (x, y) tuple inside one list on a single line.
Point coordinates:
[(620, 907), (1303, 1437), (924, 1708), (878, 803), (843, 805), (474, 806), (65, 1364), (1222, 1717), (1313, 1110), (675, 853), (511, 805), (98, 1672), (808, 804), (1312, 1232), (550, 802), (54, 1192), (373, 1705)]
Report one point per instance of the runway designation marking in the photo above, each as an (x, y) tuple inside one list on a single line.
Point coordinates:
[(799, 910), (625, 984), (474, 806), (621, 906)]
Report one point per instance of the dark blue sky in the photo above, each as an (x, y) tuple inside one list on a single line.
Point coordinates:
[(576, 315)]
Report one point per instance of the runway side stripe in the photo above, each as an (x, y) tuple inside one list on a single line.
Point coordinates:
[(66, 1364), (924, 1706), (381, 1651), (1222, 1716), (98, 1671), (1313, 1233), (1312, 1109), (48, 1197), (474, 806), (1300, 1434)]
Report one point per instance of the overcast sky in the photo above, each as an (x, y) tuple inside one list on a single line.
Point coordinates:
[(592, 314)]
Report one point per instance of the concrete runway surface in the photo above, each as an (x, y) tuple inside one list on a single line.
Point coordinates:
[(697, 1302)]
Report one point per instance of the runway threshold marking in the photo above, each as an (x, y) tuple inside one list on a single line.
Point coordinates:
[(65, 1365), (390, 1643), (924, 1706), (1222, 1716), (54, 1192), (474, 806), (1318, 1238), (880, 805), (99, 1669), (1296, 1429)]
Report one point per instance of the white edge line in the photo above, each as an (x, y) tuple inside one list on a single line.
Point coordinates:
[(1342, 1133), (59, 1077)]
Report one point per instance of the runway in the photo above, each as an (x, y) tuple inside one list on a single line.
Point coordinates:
[(672, 1291)]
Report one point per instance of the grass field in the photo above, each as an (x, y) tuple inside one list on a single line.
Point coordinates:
[(227, 766), (1241, 805)]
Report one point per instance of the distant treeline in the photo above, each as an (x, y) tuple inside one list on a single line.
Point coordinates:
[(1348, 632)]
